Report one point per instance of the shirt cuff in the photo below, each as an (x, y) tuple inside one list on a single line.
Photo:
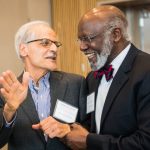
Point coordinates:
[(9, 124)]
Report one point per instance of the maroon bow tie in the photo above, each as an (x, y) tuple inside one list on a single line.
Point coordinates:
[(106, 70)]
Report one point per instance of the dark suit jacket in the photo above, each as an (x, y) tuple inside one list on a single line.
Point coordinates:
[(67, 87), (125, 122)]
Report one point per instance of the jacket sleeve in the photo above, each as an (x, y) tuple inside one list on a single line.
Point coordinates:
[(5, 132)]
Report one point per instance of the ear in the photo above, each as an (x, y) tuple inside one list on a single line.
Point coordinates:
[(23, 50), (117, 34)]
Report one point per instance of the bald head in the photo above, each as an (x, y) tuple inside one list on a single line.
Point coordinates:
[(107, 16), (105, 12)]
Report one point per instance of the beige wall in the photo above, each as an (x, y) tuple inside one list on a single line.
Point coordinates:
[(14, 13)]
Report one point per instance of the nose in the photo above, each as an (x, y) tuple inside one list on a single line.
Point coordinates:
[(53, 47), (84, 46)]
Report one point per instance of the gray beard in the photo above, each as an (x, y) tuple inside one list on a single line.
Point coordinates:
[(98, 60), (103, 56), (101, 60)]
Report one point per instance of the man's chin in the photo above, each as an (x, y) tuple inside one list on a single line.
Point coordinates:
[(52, 68), (95, 67)]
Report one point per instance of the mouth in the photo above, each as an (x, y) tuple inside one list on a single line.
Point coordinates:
[(52, 58), (91, 55)]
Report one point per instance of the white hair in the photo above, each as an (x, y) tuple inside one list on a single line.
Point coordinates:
[(24, 33), (117, 22)]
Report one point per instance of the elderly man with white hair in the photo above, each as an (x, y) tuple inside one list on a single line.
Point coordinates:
[(27, 106)]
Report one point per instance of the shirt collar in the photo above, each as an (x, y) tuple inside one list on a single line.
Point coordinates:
[(44, 81), (116, 63)]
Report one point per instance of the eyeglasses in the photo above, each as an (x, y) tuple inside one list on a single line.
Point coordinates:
[(46, 42), (88, 38)]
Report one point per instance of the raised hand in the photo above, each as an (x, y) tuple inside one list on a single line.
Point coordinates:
[(13, 91)]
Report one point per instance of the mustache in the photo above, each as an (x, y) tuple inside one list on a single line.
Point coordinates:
[(51, 55)]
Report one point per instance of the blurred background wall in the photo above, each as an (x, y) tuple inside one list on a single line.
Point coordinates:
[(14, 13)]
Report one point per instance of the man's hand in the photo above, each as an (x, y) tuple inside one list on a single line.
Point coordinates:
[(76, 139), (52, 127), (13, 92)]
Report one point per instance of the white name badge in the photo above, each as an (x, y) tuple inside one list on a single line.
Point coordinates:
[(90, 103), (65, 112)]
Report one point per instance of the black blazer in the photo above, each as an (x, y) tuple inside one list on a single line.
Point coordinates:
[(125, 122), (64, 86)]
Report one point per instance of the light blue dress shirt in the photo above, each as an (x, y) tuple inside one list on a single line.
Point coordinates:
[(41, 96)]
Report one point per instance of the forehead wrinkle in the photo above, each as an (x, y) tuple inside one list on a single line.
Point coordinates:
[(41, 31)]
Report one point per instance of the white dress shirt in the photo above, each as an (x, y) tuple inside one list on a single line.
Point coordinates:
[(105, 85)]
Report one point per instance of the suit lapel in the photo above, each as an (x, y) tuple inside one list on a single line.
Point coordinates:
[(29, 108), (114, 89), (93, 87), (57, 88), (30, 111), (119, 81)]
